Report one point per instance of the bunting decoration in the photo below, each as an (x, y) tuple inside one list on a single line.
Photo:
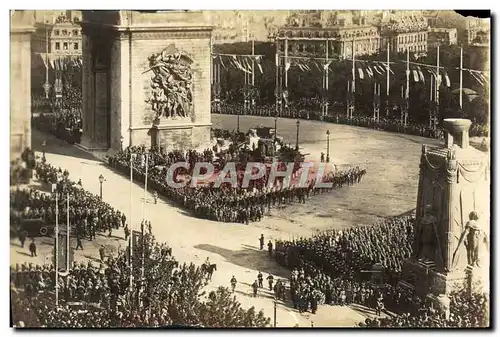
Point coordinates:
[(61, 62)]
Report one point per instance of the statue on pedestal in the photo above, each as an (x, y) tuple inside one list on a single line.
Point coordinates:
[(426, 237), (473, 236)]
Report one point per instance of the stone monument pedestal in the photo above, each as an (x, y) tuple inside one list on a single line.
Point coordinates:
[(452, 218)]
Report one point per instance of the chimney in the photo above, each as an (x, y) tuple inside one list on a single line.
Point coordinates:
[(457, 132)]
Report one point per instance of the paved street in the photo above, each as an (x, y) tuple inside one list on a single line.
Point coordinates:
[(234, 247)]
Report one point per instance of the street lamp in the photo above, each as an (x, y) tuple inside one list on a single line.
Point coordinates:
[(297, 140), (238, 122), (44, 144), (327, 146), (101, 180)]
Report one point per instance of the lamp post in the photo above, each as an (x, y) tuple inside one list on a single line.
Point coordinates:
[(327, 146), (44, 144), (275, 312), (101, 180), (297, 140), (238, 122), (275, 127)]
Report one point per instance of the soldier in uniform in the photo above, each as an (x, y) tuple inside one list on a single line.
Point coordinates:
[(260, 278), (233, 283), (270, 280), (255, 287), (32, 248)]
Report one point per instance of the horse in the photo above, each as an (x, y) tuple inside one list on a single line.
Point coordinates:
[(209, 270)]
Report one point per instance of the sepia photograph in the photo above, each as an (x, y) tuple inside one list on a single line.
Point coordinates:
[(249, 169)]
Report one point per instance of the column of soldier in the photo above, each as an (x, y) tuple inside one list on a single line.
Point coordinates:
[(225, 204), (331, 268)]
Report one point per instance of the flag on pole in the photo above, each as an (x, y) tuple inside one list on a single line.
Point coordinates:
[(369, 71), (257, 60), (361, 75), (483, 76), (447, 80), (377, 70), (288, 64), (44, 59), (415, 76), (422, 78), (476, 77)]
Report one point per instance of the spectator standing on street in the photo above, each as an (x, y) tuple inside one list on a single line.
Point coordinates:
[(261, 240), (270, 280), (22, 238), (270, 249), (33, 248), (101, 253), (260, 278), (79, 242), (127, 232), (233, 283), (255, 287)]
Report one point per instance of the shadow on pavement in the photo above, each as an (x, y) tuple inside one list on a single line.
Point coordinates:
[(247, 258), (23, 253), (56, 146)]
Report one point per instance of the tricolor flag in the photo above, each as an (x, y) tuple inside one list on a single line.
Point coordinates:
[(477, 77), (447, 80), (377, 69), (257, 60), (369, 71), (415, 76), (361, 75), (422, 78)]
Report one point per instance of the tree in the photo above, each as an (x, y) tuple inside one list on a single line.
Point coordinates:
[(224, 311)]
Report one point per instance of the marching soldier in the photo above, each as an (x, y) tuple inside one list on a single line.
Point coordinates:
[(260, 278), (78, 242), (233, 283), (101, 253), (255, 287), (32, 248), (270, 280)]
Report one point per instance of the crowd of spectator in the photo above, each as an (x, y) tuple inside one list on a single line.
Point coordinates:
[(308, 110)]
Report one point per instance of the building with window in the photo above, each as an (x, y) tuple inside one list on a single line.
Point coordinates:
[(442, 36), (62, 37), (341, 38), (477, 27), (406, 33)]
